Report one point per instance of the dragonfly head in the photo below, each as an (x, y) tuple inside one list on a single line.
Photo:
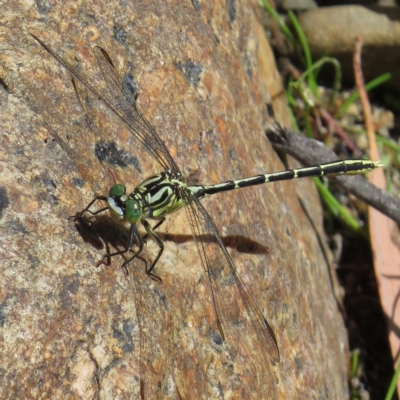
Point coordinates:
[(122, 206)]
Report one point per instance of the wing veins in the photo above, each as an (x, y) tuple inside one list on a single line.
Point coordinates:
[(215, 258), (134, 121)]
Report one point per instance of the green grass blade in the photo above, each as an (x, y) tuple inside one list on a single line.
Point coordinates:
[(312, 84), (369, 86), (393, 383), (281, 23), (335, 207)]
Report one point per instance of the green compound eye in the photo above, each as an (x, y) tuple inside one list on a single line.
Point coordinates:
[(133, 211), (117, 190)]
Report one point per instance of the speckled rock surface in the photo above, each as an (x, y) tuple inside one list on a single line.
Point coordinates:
[(71, 330)]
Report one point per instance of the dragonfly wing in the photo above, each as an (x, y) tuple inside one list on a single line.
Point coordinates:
[(118, 101), (227, 289), (125, 103)]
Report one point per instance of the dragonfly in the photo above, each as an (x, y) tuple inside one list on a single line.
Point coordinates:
[(161, 195)]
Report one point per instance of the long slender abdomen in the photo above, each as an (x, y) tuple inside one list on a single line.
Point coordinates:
[(348, 167)]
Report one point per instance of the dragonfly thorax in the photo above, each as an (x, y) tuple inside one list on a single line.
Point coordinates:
[(122, 206), (161, 194)]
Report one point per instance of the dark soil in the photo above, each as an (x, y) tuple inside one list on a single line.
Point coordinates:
[(364, 319)]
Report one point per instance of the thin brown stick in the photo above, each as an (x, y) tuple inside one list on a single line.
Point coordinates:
[(359, 77), (385, 253)]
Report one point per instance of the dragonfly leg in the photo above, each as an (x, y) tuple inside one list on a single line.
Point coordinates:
[(151, 232), (101, 198), (132, 234), (129, 245), (86, 209), (154, 228)]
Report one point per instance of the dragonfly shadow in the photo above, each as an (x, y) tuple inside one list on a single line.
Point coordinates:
[(245, 245), (102, 232), (240, 243)]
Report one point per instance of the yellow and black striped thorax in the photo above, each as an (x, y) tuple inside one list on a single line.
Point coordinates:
[(161, 194)]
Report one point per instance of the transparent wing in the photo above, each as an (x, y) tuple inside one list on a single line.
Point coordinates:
[(125, 103), (227, 289), (122, 104)]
